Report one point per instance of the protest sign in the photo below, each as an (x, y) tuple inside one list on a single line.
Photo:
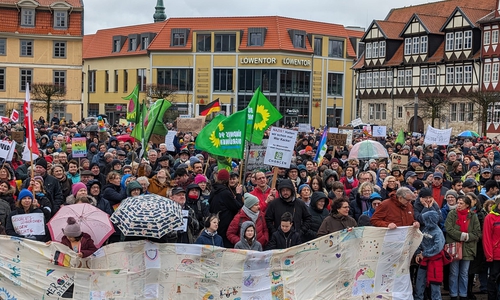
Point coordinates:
[(304, 127), (328, 269), (14, 116), (356, 122), (349, 131), (333, 130), (169, 140), (79, 147), (194, 125), (336, 139), (17, 136), (123, 122), (379, 131), (400, 161), (11, 152), (5, 149), (437, 136), (256, 156), (29, 224), (280, 147)]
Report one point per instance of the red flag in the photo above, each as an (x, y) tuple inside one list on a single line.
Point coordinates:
[(14, 116), (4, 120), (28, 124)]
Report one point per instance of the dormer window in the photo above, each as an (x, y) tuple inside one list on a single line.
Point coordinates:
[(298, 38), (61, 19), (146, 38), (179, 37), (28, 17), (256, 36), (133, 40), (118, 42)]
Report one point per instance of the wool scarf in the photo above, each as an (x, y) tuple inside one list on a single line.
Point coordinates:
[(462, 219), (252, 215)]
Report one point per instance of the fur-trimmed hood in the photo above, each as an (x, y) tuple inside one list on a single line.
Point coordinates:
[(72, 200)]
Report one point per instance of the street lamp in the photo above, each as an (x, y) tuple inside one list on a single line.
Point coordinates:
[(415, 114)]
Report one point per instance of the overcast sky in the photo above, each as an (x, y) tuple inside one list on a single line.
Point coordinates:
[(100, 14)]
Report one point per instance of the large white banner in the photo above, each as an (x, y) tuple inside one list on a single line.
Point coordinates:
[(6, 148), (366, 263), (437, 136)]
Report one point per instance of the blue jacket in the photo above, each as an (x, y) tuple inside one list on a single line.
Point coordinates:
[(208, 239), (433, 240)]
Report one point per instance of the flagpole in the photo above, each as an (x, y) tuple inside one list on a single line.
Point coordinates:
[(154, 122), (254, 109)]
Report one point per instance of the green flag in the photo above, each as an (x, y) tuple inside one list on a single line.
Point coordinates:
[(138, 132), (154, 121), (133, 109), (401, 138), (224, 163), (261, 114), (224, 136)]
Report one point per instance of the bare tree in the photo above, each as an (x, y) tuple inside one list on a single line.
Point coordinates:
[(482, 100), (45, 95), (160, 91), (434, 106)]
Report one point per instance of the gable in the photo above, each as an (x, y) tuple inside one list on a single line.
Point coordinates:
[(413, 27)]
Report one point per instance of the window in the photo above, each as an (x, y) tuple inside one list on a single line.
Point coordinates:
[(93, 109), (371, 111), (2, 79), (399, 112), (60, 78), (26, 77), (407, 46), (132, 44), (61, 19), (486, 40), (59, 109), (179, 39), (369, 80), (487, 71), (424, 76), (453, 112), (27, 17), (362, 81), (461, 112), (459, 75), (450, 79), (375, 80), (141, 79), (223, 80), (116, 82), (26, 47), (225, 42), (178, 79), (335, 84), (299, 40), (203, 42), (375, 50), (432, 76), (458, 40), (401, 78), (59, 49), (144, 42), (381, 46), (91, 81), (468, 39), (117, 45), (449, 41), (467, 74), (3, 46), (390, 79), (408, 78), (377, 111), (256, 39), (494, 37), (125, 81), (470, 111), (380, 111), (382, 79), (106, 81), (423, 44), (318, 45), (494, 73), (416, 45), (336, 48), (368, 50)]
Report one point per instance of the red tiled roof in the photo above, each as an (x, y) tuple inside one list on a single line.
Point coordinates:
[(438, 55), (392, 30), (277, 35), (100, 44), (432, 23), (474, 15), (439, 8), (397, 58), (43, 23), (360, 63), (74, 3)]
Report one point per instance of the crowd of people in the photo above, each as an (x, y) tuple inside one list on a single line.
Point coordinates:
[(449, 192)]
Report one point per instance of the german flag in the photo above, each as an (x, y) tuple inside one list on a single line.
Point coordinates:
[(211, 107)]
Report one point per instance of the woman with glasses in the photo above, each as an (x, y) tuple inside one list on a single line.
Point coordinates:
[(391, 184), (338, 219), (361, 202)]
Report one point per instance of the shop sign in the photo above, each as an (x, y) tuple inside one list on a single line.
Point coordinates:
[(292, 111), (273, 60)]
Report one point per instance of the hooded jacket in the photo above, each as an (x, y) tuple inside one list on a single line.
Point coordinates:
[(433, 238), (9, 197), (419, 209), (298, 209), (317, 215), (233, 232), (227, 205), (87, 246), (200, 208), (327, 174), (158, 188), (253, 244), (4, 211), (491, 235)]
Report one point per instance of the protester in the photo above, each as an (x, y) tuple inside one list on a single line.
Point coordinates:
[(338, 219), (248, 237), (25, 205), (209, 235), (249, 212), (285, 236)]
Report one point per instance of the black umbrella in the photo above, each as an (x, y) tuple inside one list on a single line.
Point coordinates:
[(91, 128)]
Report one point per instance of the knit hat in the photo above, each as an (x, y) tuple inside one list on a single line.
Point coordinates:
[(133, 185), (489, 184), (200, 178), (193, 160), (309, 148), (72, 229), (250, 200), (223, 175), (452, 193), (76, 187), (25, 193), (42, 163), (418, 184), (425, 192), (303, 186)]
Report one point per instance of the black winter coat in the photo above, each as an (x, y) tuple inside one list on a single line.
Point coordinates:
[(281, 240), (227, 205), (53, 191), (317, 216), (112, 193)]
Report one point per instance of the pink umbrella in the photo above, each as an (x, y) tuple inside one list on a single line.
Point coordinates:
[(92, 220)]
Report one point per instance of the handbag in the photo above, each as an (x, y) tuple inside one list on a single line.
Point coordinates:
[(454, 250)]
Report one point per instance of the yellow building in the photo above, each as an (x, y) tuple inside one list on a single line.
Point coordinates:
[(41, 43), (303, 67)]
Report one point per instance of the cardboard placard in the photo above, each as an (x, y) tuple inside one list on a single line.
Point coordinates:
[(400, 161), (194, 125), (17, 136), (349, 131), (437, 136), (304, 127), (79, 148), (169, 140), (29, 224), (336, 139), (256, 156)]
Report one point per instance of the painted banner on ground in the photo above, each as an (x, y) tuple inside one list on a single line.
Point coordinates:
[(437, 136), (325, 268)]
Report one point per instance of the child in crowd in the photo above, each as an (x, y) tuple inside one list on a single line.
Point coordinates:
[(285, 236), (78, 241), (248, 239), (209, 235)]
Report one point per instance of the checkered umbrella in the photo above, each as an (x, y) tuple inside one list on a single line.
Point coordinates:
[(147, 216)]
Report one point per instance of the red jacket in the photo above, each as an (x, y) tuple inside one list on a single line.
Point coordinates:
[(87, 246), (491, 236), (262, 196), (393, 211), (349, 186), (233, 232), (434, 266)]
